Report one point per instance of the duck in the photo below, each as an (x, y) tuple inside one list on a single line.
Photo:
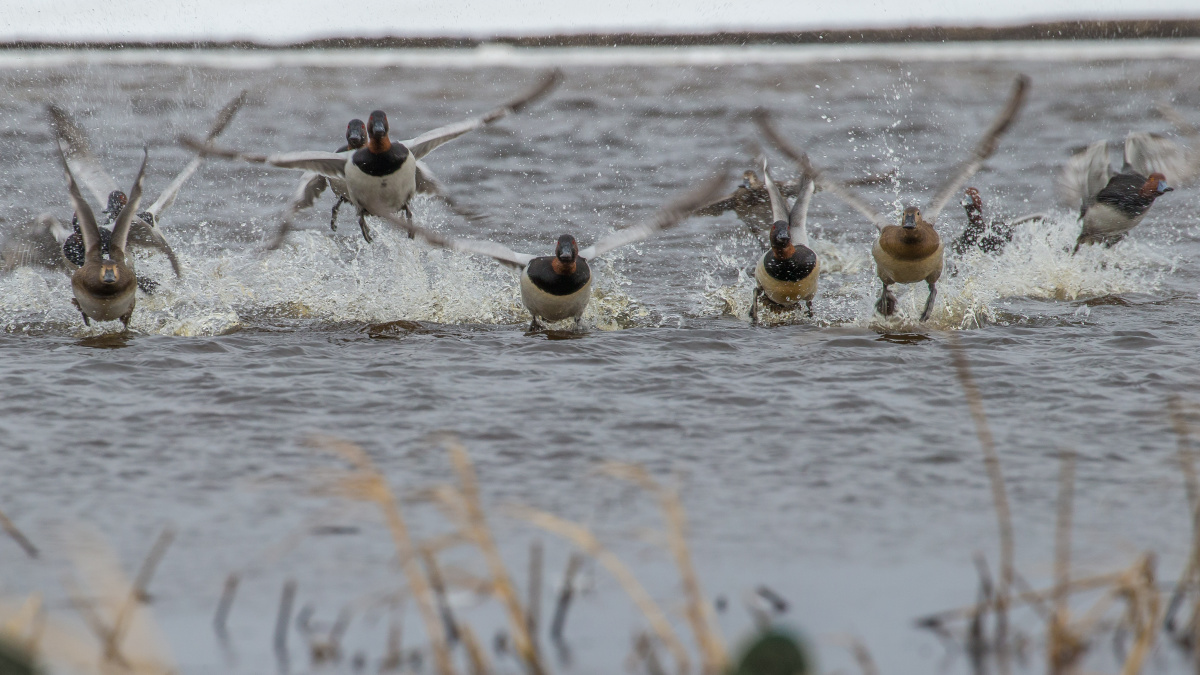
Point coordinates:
[(787, 272), (313, 184), (750, 202), (46, 242), (978, 234), (105, 286), (911, 251), (1112, 203), (381, 173), (558, 287)]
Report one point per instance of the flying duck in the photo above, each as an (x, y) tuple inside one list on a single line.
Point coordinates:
[(978, 234), (312, 184), (750, 202), (787, 271), (46, 242), (559, 286), (1112, 204), (382, 173), (910, 252), (105, 286)]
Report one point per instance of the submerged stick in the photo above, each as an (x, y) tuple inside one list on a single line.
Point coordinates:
[(1063, 645), (434, 571), (585, 540), (137, 592), (565, 593), (18, 536), (533, 605), (283, 619), (991, 462), (228, 593), (1187, 579)]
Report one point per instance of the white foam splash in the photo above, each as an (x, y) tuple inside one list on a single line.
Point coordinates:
[(314, 277), (1038, 264)]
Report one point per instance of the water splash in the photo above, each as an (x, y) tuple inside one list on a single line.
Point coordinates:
[(1038, 265)]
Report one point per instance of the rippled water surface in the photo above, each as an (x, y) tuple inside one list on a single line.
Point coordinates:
[(832, 458)]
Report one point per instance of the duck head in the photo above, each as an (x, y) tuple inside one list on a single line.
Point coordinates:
[(1156, 185), (912, 216), (565, 254), (750, 181), (377, 133), (109, 274), (356, 133), (116, 201), (781, 239)]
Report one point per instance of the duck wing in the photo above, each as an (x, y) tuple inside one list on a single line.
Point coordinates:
[(87, 219), (120, 231), (74, 144), (328, 164), (984, 149), (306, 194), (779, 210), (167, 197), (37, 243), (840, 190), (1188, 130), (428, 183), (798, 217), (1150, 153), (668, 216), (425, 143), (1085, 175), (500, 252)]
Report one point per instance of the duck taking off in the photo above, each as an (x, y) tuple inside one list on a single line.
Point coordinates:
[(105, 286), (1112, 203), (750, 202), (910, 252), (381, 174), (559, 286), (978, 234), (787, 272), (313, 184)]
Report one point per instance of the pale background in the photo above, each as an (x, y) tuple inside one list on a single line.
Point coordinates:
[(289, 20)]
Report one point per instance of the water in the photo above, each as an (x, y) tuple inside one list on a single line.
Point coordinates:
[(831, 458)]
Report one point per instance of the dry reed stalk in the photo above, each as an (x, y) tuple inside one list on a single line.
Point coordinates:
[(712, 649), (862, 656), (366, 483), (475, 654), (283, 618), (1145, 603), (1188, 578), (1029, 597), (224, 605), (11, 528), (588, 543), (991, 462), (501, 582), (1064, 646)]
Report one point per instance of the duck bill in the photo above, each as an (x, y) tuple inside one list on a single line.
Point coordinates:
[(910, 221), (378, 128), (1164, 188)]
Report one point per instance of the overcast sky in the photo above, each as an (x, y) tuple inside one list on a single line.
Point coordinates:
[(289, 20)]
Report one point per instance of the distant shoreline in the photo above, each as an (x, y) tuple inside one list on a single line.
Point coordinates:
[(1057, 30)]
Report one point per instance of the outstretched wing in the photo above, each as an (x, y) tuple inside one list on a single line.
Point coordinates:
[(78, 153), (839, 190), (1189, 130), (778, 203), (120, 231), (311, 186), (1150, 153), (798, 218), (670, 215), (1085, 175), (167, 197), (142, 233), (35, 243), (87, 219), (328, 164), (984, 149), (501, 253), (425, 143), (428, 183)]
